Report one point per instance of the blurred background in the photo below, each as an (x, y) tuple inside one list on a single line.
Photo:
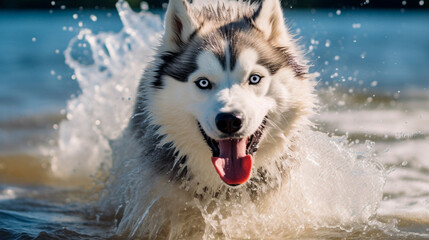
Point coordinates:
[(381, 45), (380, 4), (372, 57)]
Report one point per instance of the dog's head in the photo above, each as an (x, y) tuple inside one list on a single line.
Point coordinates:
[(230, 84)]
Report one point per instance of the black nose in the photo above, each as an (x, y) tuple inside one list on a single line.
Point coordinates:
[(228, 122)]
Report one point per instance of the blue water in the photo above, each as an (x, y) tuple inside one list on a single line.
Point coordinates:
[(27, 85), (32, 217), (381, 51), (389, 47)]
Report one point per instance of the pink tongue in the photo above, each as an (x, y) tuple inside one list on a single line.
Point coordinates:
[(233, 165)]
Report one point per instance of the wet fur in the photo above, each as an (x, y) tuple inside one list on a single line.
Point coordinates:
[(164, 139), (160, 125)]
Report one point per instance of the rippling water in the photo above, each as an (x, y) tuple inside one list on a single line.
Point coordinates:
[(55, 152)]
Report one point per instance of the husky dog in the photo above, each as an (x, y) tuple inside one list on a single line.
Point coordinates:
[(225, 97), (224, 100)]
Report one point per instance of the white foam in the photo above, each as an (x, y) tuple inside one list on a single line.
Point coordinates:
[(406, 186), (9, 193), (393, 122), (327, 188), (108, 71)]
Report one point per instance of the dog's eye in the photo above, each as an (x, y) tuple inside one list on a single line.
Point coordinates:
[(254, 79), (203, 83)]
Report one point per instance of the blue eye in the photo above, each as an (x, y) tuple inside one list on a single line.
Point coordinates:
[(254, 79), (203, 83)]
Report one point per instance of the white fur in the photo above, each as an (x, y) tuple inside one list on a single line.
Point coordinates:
[(287, 100)]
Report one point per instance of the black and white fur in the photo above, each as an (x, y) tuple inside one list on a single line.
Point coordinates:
[(224, 42)]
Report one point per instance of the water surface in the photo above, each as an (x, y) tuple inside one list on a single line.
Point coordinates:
[(54, 134)]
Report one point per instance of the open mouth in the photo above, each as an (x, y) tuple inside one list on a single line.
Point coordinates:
[(232, 157)]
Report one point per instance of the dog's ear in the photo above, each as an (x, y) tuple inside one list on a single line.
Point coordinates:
[(179, 24), (268, 18)]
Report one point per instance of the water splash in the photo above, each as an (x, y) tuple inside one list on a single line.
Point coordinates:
[(328, 187), (107, 67)]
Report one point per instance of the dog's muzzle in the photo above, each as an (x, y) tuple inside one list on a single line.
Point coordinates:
[(233, 157)]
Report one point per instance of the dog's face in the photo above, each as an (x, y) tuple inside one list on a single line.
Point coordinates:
[(224, 86), (230, 105)]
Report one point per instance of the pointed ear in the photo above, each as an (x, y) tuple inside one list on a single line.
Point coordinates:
[(179, 24), (268, 18)]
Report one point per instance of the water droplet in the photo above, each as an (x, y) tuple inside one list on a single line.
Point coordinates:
[(53, 3), (327, 43), (421, 3), (336, 58), (338, 12), (374, 83), (404, 163), (34, 39), (369, 99), (52, 72), (93, 17), (119, 88), (97, 122), (75, 16), (356, 25), (144, 6), (63, 7), (404, 3)]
